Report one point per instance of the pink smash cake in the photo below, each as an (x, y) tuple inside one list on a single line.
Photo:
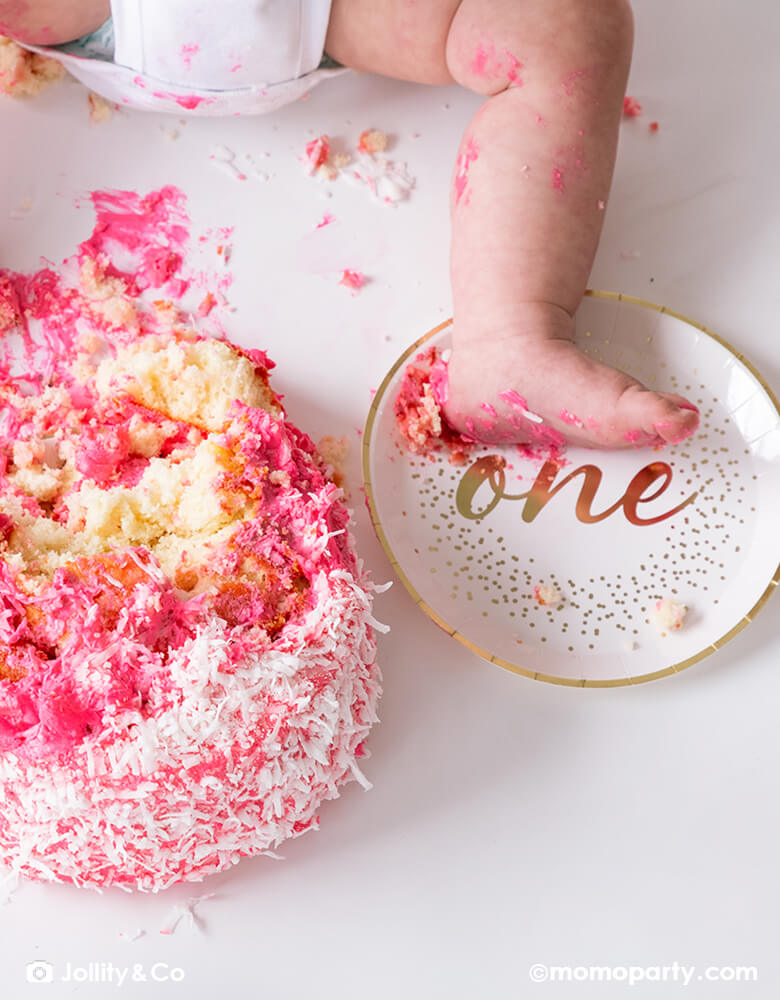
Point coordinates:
[(187, 666)]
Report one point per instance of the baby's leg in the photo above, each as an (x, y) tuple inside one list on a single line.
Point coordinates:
[(531, 180)]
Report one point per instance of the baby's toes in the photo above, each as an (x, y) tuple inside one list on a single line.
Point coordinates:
[(645, 417), (674, 419)]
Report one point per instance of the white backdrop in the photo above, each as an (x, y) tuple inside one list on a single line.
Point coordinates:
[(511, 823)]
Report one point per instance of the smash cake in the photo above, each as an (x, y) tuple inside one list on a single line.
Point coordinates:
[(188, 666)]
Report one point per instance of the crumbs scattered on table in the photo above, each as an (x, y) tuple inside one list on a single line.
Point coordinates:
[(325, 220), (387, 180), (653, 126)]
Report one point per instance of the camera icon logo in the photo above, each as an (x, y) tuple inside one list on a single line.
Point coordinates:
[(39, 972)]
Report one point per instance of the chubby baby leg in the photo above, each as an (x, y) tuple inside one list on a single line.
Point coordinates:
[(529, 190)]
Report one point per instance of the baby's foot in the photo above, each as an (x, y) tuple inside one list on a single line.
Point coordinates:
[(534, 385)]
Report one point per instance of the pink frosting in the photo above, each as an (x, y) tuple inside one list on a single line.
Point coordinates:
[(97, 635), (469, 154)]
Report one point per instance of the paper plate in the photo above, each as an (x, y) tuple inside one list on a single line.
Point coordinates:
[(471, 557)]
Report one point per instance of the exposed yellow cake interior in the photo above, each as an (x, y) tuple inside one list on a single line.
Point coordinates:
[(179, 508), (194, 381)]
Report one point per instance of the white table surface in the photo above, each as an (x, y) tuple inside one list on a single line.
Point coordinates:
[(511, 822)]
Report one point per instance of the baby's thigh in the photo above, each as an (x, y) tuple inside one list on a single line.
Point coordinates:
[(51, 22), (399, 38)]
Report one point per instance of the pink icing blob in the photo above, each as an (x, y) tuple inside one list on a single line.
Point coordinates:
[(353, 279), (102, 452), (480, 60), (488, 65), (512, 73), (153, 224), (569, 418), (513, 398), (439, 379), (187, 101), (631, 107), (468, 155)]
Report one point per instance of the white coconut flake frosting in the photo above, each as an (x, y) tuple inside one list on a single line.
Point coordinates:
[(238, 760)]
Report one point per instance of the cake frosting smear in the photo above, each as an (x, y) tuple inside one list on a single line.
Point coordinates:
[(187, 658)]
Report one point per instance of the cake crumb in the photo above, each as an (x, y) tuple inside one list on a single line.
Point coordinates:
[(334, 452), (547, 594), (207, 304), (316, 159), (372, 141), (353, 279), (387, 181), (23, 210), (418, 413), (667, 614), (99, 108), (23, 73), (631, 107), (339, 160), (107, 296)]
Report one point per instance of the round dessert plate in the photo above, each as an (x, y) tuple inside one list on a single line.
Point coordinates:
[(613, 531)]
